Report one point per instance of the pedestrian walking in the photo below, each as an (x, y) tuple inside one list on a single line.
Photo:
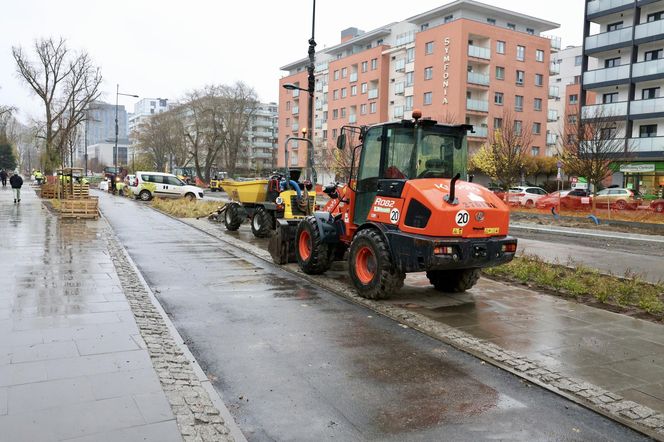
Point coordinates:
[(3, 177), (16, 182)]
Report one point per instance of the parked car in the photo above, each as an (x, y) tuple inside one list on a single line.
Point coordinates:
[(164, 185), (657, 205), (617, 198), (499, 191), (525, 196), (552, 199)]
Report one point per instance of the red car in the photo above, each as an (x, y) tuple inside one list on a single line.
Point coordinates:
[(569, 200)]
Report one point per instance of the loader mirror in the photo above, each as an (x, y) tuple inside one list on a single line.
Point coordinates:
[(341, 141)]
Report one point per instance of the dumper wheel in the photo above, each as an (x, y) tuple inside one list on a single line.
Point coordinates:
[(262, 223), (453, 281), (371, 268), (313, 255), (233, 217)]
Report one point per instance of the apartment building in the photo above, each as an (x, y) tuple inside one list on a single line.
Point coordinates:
[(623, 77), (464, 62), (262, 140), (564, 92), (99, 128)]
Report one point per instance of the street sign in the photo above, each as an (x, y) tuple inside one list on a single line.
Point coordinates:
[(574, 180)]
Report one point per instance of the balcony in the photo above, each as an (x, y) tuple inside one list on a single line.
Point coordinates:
[(552, 116), (609, 110), (476, 78), (373, 93), (479, 52), (263, 134), (262, 144), (352, 119), (606, 77), (647, 70), (551, 139), (263, 156), (609, 40), (649, 32), (554, 92), (554, 68), (644, 108), (601, 7), (649, 144), (295, 127), (477, 105), (556, 43), (353, 77), (480, 132), (296, 110)]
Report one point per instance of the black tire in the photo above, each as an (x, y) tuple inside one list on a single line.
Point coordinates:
[(377, 278), (530, 204), (145, 195), (659, 208), (453, 281), (262, 223), (621, 205), (190, 197), (233, 217), (313, 255)]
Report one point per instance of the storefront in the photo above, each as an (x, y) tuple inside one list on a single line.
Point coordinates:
[(644, 177)]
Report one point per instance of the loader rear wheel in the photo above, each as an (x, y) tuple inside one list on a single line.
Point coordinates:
[(262, 223), (233, 217), (371, 268), (453, 281), (313, 255)]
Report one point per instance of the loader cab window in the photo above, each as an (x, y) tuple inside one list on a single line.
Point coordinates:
[(368, 173)]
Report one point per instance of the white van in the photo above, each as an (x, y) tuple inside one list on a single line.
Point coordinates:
[(147, 185)]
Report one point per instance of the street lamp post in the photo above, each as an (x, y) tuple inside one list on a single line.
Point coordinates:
[(115, 147), (311, 83)]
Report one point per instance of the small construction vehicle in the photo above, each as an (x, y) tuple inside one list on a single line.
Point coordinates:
[(404, 209), (216, 180)]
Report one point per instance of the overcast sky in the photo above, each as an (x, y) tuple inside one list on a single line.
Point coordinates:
[(163, 48)]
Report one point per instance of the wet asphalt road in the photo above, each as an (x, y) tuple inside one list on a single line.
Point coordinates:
[(295, 362)]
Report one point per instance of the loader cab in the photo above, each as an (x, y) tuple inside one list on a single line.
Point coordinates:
[(393, 153)]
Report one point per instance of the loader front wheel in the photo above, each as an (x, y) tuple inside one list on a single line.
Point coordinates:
[(313, 255), (453, 281), (371, 268)]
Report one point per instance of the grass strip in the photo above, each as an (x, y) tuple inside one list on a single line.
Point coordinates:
[(182, 208), (629, 294)]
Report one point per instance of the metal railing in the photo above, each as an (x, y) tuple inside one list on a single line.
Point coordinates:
[(607, 110), (476, 78), (647, 68), (479, 52), (477, 105), (609, 38), (651, 106), (609, 74), (595, 6), (649, 29)]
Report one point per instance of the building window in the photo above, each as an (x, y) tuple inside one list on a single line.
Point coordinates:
[(335, 94), (410, 78), (518, 125), (610, 98), (336, 75), (374, 64), (612, 62), (578, 60), (363, 109), (399, 88), (539, 55), (520, 77), (363, 88), (614, 26), (511, 26), (335, 114), (491, 21), (537, 104), (344, 72), (573, 99), (343, 112), (424, 27), (521, 53), (334, 133), (518, 103), (497, 123), (650, 93), (410, 55), (500, 73), (500, 47), (409, 103), (537, 128), (365, 66), (428, 48), (539, 80), (530, 31), (648, 130), (656, 16), (353, 90), (372, 107), (498, 98), (449, 18), (325, 134), (427, 98), (571, 119), (288, 105), (344, 92), (653, 55), (535, 151), (428, 73)]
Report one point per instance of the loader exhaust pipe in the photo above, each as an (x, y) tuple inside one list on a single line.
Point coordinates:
[(451, 198)]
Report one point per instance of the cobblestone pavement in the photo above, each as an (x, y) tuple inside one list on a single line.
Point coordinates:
[(555, 377)]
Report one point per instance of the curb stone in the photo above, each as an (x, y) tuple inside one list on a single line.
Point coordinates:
[(604, 402), (197, 416)]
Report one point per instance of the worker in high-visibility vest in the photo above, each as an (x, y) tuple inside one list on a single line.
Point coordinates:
[(39, 177)]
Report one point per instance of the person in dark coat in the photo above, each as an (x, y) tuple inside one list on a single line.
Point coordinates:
[(3, 177), (16, 182)]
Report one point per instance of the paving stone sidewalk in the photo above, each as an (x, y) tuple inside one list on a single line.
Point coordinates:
[(85, 355)]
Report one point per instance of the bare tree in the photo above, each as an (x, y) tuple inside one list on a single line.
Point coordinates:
[(161, 138), (590, 147), (66, 82), (506, 157)]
